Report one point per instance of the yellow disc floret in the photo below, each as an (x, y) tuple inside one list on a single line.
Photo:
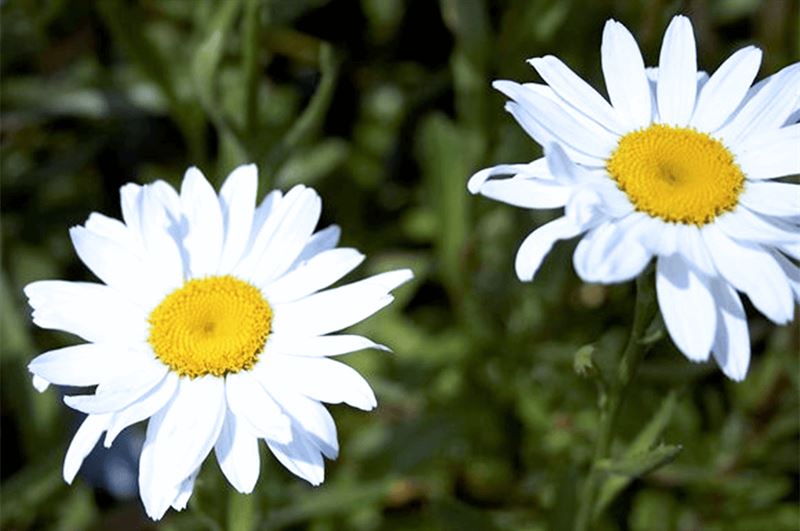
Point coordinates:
[(214, 325), (677, 174)]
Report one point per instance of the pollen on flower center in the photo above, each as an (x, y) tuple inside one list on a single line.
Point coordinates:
[(214, 325), (677, 174)]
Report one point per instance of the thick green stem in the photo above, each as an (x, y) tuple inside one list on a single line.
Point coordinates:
[(610, 403)]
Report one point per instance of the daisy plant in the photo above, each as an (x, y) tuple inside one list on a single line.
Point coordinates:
[(212, 322), (676, 166)]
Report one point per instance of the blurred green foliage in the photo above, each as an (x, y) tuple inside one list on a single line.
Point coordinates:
[(487, 412)]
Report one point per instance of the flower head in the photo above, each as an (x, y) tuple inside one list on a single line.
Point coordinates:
[(214, 323), (677, 166)]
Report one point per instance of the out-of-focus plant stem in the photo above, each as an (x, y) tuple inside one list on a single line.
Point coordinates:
[(611, 400)]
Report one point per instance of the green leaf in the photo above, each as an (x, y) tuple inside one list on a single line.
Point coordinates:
[(639, 456), (640, 464)]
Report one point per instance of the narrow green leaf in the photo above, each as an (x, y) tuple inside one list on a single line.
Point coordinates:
[(637, 465)]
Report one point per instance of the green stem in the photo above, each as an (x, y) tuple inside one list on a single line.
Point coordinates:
[(610, 403)]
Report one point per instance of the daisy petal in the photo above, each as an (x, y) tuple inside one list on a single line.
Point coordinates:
[(289, 238), (80, 365), (726, 89), (312, 417), (322, 240), (626, 80), (204, 221), (560, 127), (94, 312), (319, 378), (82, 443), (693, 249), (237, 199), (121, 389), (184, 492), (334, 309), (539, 242), (731, 347), (677, 73), (300, 457), (791, 271), (237, 455), (317, 273), (772, 199), (577, 92), (319, 345), (777, 159), (607, 254), (115, 264), (745, 225), (145, 407), (768, 108), (687, 306), (535, 170), (527, 193), (254, 407), (750, 269), (179, 437)]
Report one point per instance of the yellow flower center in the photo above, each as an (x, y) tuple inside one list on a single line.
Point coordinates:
[(677, 174), (213, 325)]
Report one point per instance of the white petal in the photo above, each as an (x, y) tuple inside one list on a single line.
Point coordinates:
[(745, 225), (539, 242), (693, 249), (319, 345), (752, 270), (312, 417), (179, 437), (772, 199), (791, 271), (121, 389), (592, 145), (82, 443), (254, 407), (145, 407), (94, 312), (726, 89), (732, 342), (300, 457), (536, 169), (577, 92), (184, 492), (687, 306), (39, 383), (319, 378), (608, 254), (527, 193), (317, 273), (78, 366), (626, 81), (115, 264), (334, 309), (237, 454), (110, 228), (203, 240), (659, 237), (778, 159), (237, 199), (677, 73), (322, 240), (769, 107)]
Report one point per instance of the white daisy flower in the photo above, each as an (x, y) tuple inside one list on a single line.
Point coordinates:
[(211, 323), (678, 166)]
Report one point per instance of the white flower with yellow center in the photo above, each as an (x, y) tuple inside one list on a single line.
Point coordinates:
[(211, 323), (678, 167)]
